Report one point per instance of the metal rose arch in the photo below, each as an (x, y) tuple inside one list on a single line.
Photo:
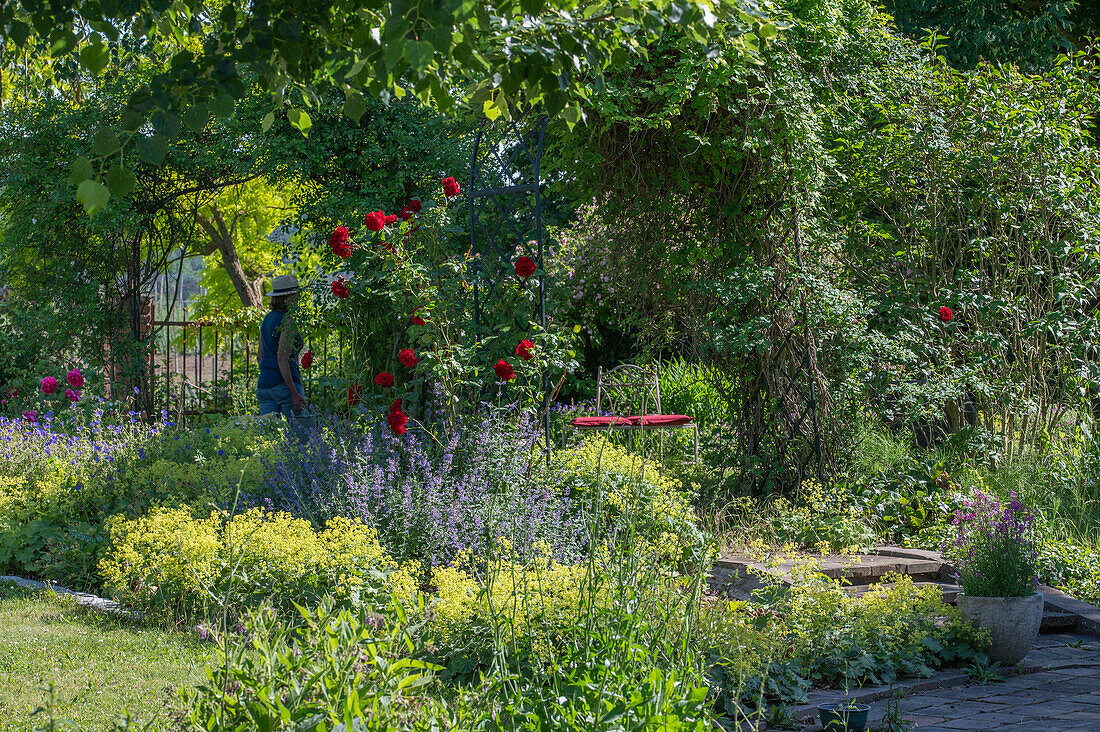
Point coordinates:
[(505, 194)]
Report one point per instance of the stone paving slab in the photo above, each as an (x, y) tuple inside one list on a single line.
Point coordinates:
[(82, 598), (1056, 687)]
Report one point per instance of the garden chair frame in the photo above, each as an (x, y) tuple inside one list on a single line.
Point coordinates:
[(629, 385)]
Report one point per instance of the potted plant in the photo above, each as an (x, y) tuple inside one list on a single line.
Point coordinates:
[(994, 556), (845, 715)]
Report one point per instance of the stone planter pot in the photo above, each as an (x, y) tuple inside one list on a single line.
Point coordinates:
[(1013, 623), (843, 717)]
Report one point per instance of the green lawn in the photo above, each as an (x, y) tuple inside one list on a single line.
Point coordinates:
[(100, 664)]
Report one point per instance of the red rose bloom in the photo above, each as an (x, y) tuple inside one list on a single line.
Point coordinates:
[(75, 378), (525, 267), (405, 214), (384, 380), (451, 187), (307, 359), (354, 392), (339, 289), (946, 315), (338, 241), (397, 419), (390, 218), (414, 205), (407, 358), (417, 320), (523, 350), (375, 220), (504, 370)]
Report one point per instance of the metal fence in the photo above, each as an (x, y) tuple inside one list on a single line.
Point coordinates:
[(199, 368)]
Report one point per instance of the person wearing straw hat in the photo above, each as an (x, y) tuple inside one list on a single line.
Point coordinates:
[(279, 388)]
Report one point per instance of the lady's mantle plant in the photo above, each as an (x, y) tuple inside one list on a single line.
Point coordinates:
[(994, 549)]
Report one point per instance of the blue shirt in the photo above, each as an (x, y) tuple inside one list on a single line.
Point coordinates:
[(269, 362)]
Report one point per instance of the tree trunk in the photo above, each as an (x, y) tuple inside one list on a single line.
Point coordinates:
[(221, 237)]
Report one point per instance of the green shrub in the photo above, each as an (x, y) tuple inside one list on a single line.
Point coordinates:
[(330, 669), (169, 562), (813, 633), (824, 520), (638, 502)]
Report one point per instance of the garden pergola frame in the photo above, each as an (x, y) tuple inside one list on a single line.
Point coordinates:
[(505, 194)]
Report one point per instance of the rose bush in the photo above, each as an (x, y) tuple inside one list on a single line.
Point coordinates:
[(405, 297)]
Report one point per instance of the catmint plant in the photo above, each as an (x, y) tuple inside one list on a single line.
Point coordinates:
[(430, 496), (994, 549)]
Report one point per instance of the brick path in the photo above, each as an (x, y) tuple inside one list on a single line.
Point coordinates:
[(1060, 690)]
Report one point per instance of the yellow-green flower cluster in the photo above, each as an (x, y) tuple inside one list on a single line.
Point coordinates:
[(170, 560), (538, 592), (634, 493)]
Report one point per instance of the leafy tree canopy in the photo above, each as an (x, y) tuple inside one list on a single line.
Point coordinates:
[(492, 55), (1029, 33)]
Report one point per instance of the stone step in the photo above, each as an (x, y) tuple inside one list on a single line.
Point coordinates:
[(855, 569), (949, 591), (1055, 622)]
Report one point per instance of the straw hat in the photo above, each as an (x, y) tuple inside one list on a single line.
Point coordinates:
[(284, 285)]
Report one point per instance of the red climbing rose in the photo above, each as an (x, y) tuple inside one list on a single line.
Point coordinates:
[(504, 370), (384, 379), (397, 419), (339, 242), (417, 320), (414, 205), (525, 267), (946, 315), (339, 289), (407, 358), (390, 218), (354, 392), (375, 220), (451, 187), (307, 359), (405, 214), (523, 350)]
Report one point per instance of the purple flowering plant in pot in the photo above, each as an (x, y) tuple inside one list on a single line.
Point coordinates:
[(994, 553)]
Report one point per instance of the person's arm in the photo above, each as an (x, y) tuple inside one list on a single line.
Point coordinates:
[(286, 339)]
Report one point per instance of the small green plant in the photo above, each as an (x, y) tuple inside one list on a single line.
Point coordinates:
[(780, 716), (892, 721), (982, 671)]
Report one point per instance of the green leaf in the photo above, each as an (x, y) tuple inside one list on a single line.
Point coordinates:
[(299, 120), (419, 54), (490, 109), (81, 170), (152, 149), (268, 120), (120, 180), (222, 106), (95, 57), (93, 195), (196, 117), (572, 115), (18, 32), (354, 106), (105, 142), (166, 123), (767, 30)]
